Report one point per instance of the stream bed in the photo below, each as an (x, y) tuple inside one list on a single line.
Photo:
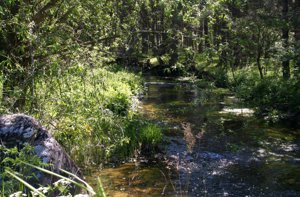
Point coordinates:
[(212, 146)]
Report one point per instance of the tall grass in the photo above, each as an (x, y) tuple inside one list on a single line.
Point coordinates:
[(87, 110)]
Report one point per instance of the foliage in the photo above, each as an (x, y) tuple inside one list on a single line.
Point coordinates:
[(41, 40), (88, 110), (10, 159), (16, 181), (274, 97), (58, 62)]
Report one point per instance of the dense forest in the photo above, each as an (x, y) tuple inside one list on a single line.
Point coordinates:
[(77, 66)]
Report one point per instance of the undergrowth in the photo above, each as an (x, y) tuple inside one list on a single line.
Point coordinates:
[(92, 113), (88, 110), (273, 97)]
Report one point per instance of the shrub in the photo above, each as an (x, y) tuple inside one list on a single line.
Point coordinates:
[(272, 96), (87, 110)]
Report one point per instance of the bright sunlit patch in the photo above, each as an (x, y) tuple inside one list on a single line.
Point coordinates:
[(238, 111)]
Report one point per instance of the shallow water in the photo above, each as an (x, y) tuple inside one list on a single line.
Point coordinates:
[(213, 146)]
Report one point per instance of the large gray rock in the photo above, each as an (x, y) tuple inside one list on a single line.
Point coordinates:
[(18, 129)]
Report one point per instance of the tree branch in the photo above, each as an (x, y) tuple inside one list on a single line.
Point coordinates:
[(41, 15)]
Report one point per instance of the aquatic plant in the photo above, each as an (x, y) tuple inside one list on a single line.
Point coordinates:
[(151, 134)]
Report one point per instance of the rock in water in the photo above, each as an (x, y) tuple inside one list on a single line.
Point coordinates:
[(18, 129)]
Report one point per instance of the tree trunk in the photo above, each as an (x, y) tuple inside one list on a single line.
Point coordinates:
[(259, 64), (285, 39), (144, 23), (297, 38), (205, 31), (152, 26)]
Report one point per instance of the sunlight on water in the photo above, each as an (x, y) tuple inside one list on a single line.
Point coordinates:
[(213, 146), (238, 111)]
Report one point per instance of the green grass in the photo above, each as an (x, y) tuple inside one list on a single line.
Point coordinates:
[(151, 134), (87, 110)]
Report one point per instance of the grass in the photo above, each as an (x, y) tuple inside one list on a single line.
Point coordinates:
[(151, 134), (87, 111)]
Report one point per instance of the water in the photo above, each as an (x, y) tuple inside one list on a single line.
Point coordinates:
[(213, 146)]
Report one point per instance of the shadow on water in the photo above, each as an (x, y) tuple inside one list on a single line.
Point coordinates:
[(213, 146)]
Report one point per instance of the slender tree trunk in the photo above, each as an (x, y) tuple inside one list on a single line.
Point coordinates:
[(205, 31), (297, 37), (258, 63), (152, 25), (144, 23), (285, 39)]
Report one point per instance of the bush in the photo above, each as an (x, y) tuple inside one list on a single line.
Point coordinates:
[(87, 110), (273, 96), (243, 84)]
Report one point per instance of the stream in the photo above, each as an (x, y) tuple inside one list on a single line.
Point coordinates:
[(212, 146)]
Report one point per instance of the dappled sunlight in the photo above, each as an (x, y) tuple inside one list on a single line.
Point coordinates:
[(183, 97), (238, 111), (150, 110)]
